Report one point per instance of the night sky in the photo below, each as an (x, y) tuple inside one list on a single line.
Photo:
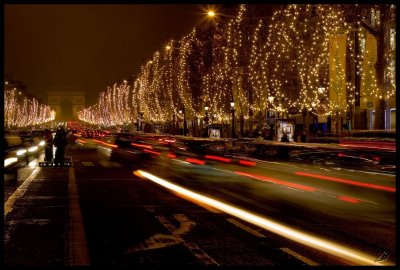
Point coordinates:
[(90, 46)]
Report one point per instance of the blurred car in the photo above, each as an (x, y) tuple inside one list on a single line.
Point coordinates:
[(15, 153), (38, 133), (33, 144), (199, 147), (135, 145), (123, 148)]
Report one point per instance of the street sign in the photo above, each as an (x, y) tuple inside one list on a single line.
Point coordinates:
[(271, 114)]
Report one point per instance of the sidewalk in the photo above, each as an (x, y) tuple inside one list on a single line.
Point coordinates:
[(36, 218)]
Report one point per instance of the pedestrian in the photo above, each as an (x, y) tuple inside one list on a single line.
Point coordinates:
[(285, 138), (60, 142), (283, 151), (303, 137), (48, 146)]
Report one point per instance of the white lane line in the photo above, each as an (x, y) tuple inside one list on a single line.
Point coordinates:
[(299, 256), (8, 206), (246, 228), (77, 245), (109, 164), (87, 163), (35, 221)]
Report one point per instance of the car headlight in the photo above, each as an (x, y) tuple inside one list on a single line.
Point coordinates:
[(21, 152), (33, 149), (8, 161)]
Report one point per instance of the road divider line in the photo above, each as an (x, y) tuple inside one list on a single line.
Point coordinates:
[(246, 228), (78, 254), (299, 257), (8, 206)]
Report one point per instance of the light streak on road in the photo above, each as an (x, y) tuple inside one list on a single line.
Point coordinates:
[(142, 145), (196, 161), (108, 144), (247, 163), (345, 181), (227, 160), (277, 181), (152, 152), (340, 251), (171, 155), (348, 199)]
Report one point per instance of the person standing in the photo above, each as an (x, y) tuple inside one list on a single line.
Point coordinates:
[(48, 146), (60, 142), (285, 138), (303, 137)]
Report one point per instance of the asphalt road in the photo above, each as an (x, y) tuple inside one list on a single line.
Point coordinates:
[(107, 212)]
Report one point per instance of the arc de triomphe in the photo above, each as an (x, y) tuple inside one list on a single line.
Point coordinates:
[(66, 102)]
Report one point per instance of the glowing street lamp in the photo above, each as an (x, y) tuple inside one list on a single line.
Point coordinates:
[(211, 13), (182, 111), (233, 118)]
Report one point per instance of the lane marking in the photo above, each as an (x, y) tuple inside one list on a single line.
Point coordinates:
[(176, 237), (105, 164), (245, 227), (109, 164), (78, 253), (34, 221), (87, 163), (8, 206), (299, 256)]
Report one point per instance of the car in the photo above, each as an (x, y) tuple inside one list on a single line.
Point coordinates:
[(124, 150), (188, 147), (33, 144), (15, 153)]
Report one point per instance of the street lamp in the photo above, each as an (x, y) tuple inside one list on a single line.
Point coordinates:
[(206, 108), (233, 118), (182, 110)]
